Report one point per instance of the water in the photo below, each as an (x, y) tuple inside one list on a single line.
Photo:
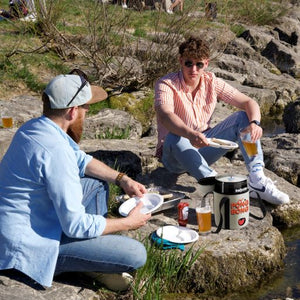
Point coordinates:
[(285, 284)]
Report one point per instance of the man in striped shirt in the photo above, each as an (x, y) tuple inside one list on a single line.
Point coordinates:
[(184, 104)]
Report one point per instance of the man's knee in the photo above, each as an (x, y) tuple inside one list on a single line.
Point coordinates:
[(136, 254)]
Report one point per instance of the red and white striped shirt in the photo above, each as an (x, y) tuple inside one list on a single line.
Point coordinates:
[(195, 113)]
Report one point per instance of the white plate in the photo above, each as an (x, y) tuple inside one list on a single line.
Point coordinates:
[(177, 234), (224, 144), (151, 201)]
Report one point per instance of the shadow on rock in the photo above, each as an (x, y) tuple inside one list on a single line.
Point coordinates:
[(161, 177), (124, 161), (22, 278)]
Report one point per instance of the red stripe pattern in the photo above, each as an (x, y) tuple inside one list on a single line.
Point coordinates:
[(196, 113)]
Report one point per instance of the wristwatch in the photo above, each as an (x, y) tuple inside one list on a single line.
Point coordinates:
[(118, 179), (255, 122)]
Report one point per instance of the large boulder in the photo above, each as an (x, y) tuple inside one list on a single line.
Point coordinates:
[(291, 117), (285, 58), (110, 123)]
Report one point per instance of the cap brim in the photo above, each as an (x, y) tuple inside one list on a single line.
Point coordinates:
[(98, 94)]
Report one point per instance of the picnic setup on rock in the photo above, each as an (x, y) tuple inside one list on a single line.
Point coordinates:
[(225, 203)]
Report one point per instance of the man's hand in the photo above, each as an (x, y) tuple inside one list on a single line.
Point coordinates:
[(198, 139), (255, 132), (137, 219), (134, 220), (132, 187)]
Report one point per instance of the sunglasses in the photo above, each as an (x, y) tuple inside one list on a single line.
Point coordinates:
[(189, 64), (84, 82)]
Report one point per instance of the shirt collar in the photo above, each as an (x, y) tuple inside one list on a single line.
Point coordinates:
[(182, 82), (72, 143)]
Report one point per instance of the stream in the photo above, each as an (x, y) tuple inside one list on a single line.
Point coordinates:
[(285, 284)]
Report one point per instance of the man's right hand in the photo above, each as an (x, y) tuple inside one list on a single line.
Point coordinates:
[(198, 139), (134, 220), (137, 219)]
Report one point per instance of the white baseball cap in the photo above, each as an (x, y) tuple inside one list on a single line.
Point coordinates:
[(66, 91)]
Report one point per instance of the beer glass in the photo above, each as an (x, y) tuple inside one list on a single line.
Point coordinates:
[(203, 213), (7, 120), (249, 146)]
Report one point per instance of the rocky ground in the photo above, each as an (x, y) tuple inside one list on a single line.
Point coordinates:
[(257, 250), (262, 62)]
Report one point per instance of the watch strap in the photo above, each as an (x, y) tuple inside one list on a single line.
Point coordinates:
[(118, 179), (255, 122)]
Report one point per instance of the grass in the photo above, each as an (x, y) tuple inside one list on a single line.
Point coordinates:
[(28, 60), (115, 133), (164, 271), (20, 61)]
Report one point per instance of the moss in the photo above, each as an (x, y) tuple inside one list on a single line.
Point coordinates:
[(141, 109), (219, 275), (288, 217), (275, 71), (237, 29), (276, 110)]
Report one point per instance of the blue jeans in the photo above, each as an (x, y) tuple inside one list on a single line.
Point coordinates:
[(179, 156), (107, 253)]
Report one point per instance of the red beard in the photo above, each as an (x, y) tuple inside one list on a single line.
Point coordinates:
[(75, 130)]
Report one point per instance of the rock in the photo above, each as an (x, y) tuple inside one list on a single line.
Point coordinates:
[(258, 37), (256, 76), (291, 117), (282, 154), (110, 123), (15, 285), (22, 108), (280, 44), (232, 258), (284, 58), (242, 49)]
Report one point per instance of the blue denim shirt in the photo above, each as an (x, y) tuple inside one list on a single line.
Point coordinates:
[(40, 196)]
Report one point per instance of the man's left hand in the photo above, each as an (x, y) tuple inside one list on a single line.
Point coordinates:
[(132, 187), (256, 132)]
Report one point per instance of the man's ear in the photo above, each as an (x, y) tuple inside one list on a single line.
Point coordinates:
[(206, 61), (72, 113)]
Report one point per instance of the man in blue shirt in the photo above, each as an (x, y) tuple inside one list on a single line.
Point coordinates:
[(53, 196)]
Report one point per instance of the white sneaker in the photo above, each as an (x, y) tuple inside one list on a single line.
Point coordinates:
[(169, 11), (267, 191), (124, 5), (114, 282), (29, 18)]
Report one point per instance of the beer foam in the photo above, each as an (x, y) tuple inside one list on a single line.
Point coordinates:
[(203, 210)]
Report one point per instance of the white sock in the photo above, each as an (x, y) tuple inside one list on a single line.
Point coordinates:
[(256, 175)]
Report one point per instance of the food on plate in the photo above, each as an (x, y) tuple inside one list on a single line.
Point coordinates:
[(219, 142), (165, 196)]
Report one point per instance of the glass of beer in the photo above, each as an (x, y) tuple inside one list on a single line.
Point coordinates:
[(204, 218), (249, 146), (7, 122)]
